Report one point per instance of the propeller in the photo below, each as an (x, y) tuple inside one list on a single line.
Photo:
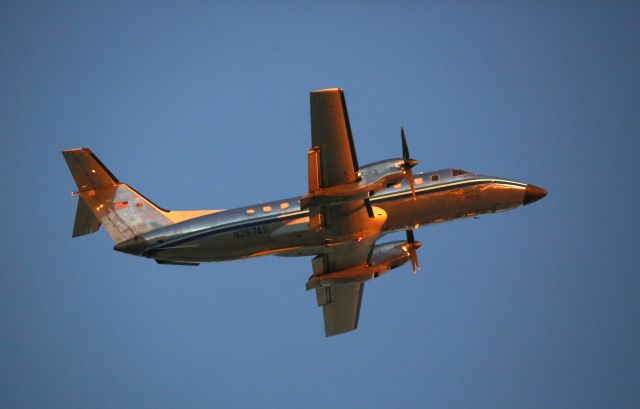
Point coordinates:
[(412, 246), (408, 163)]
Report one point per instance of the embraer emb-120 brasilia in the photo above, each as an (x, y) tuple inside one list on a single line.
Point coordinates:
[(338, 221)]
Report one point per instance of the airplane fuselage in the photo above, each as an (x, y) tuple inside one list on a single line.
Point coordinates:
[(282, 228)]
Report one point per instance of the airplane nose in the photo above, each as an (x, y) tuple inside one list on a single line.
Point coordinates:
[(533, 193)]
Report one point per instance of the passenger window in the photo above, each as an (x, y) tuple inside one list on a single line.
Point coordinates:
[(435, 178), (266, 209), (397, 186), (419, 181), (284, 205), (250, 211)]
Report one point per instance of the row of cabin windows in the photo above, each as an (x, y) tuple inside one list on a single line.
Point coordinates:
[(419, 181), (434, 178), (268, 208)]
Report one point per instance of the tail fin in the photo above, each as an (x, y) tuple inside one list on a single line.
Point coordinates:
[(122, 211)]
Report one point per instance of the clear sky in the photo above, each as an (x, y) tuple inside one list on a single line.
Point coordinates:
[(205, 105)]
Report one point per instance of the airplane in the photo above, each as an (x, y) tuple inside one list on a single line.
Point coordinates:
[(337, 222)]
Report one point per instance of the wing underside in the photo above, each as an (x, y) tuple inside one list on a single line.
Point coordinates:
[(340, 307), (341, 301), (333, 162), (331, 136)]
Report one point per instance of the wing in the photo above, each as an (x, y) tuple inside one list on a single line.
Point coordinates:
[(341, 302), (331, 136), (333, 162), (340, 307), (349, 230)]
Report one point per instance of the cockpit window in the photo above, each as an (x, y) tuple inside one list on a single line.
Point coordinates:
[(458, 172)]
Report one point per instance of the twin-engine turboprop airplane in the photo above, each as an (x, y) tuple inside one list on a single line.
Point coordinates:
[(338, 221)]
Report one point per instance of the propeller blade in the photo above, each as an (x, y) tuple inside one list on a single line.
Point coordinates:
[(412, 244), (408, 163), (405, 147), (412, 183), (414, 259), (410, 238), (367, 205)]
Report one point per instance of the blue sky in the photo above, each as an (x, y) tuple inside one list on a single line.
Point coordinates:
[(205, 105)]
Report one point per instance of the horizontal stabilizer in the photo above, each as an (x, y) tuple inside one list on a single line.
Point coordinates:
[(86, 221)]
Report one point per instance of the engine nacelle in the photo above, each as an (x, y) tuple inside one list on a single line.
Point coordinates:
[(372, 178), (384, 257), (392, 254), (379, 175)]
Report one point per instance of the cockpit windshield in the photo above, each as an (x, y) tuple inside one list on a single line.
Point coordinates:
[(458, 172)]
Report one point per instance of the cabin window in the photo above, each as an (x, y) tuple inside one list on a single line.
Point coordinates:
[(434, 178), (397, 186), (284, 205), (458, 172), (419, 181), (250, 211), (266, 209)]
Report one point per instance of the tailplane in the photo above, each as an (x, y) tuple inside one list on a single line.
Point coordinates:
[(103, 200)]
